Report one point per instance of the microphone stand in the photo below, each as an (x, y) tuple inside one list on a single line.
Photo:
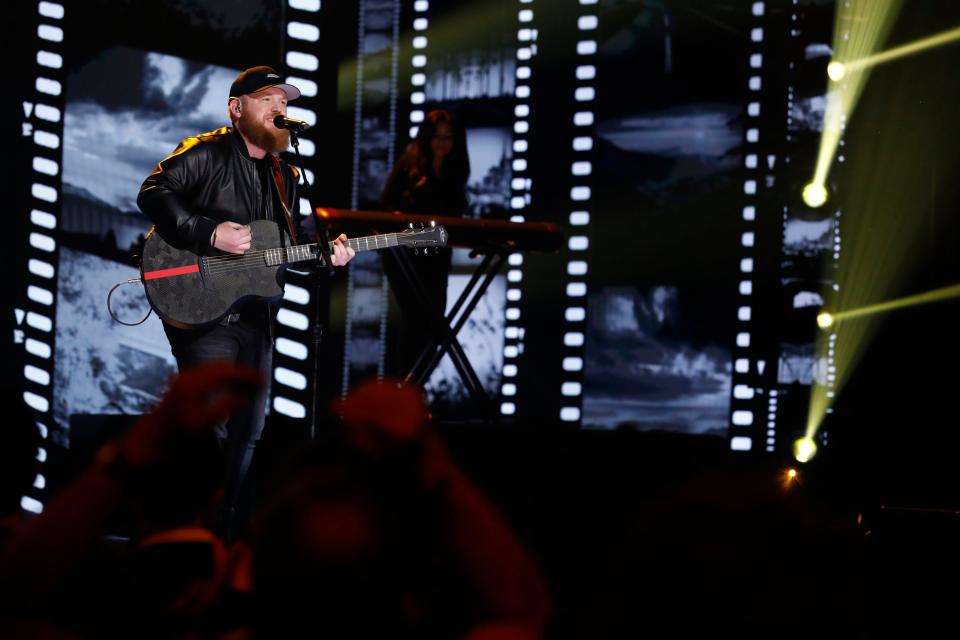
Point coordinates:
[(323, 240)]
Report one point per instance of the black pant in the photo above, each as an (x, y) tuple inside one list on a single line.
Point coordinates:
[(245, 341), (417, 316)]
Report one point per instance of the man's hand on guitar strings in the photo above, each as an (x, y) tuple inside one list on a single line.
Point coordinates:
[(231, 237)]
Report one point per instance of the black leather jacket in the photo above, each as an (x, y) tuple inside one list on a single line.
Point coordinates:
[(210, 178)]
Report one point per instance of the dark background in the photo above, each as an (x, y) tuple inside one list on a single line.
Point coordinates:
[(894, 438)]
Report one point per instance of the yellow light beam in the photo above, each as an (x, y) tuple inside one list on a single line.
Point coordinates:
[(927, 297), (944, 38), (822, 395), (845, 67), (860, 28), (884, 176)]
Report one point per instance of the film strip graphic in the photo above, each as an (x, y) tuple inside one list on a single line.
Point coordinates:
[(377, 60), (36, 311), (293, 345), (581, 194), (748, 370), (520, 199)]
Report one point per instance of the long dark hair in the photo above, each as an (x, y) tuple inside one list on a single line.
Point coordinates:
[(419, 153)]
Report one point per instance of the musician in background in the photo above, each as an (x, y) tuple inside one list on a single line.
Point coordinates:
[(202, 197), (429, 178)]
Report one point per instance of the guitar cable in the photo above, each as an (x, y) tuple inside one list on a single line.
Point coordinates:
[(110, 311)]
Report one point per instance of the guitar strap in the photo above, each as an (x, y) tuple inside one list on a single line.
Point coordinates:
[(282, 194)]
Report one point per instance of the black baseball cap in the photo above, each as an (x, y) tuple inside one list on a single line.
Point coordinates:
[(259, 78)]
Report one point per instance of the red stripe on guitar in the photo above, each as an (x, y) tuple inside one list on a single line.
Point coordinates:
[(167, 273)]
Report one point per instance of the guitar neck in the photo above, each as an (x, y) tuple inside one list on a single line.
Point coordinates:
[(303, 252)]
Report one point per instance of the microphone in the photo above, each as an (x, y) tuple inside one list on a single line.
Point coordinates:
[(297, 126)]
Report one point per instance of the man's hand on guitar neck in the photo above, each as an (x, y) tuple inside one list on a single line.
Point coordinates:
[(341, 253), (231, 237)]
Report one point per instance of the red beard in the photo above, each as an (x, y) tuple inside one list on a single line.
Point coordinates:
[(265, 136)]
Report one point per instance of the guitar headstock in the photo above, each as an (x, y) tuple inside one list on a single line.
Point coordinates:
[(423, 237)]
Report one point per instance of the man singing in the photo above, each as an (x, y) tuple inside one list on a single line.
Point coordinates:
[(203, 197)]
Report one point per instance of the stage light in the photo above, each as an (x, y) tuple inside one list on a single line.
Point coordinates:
[(814, 195), (804, 449), (836, 71), (789, 478), (825, 320)]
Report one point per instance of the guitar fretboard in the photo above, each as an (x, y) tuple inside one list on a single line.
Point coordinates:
[(302, 252)]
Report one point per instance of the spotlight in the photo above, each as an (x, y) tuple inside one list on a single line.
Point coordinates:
[(836, 71), (792, 474), (814, 195), (824, 320), (804, 449)]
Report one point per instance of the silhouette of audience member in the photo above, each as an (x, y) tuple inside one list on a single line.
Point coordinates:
[(376, 534), (380, 535), (51, 569), (179, 566)]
